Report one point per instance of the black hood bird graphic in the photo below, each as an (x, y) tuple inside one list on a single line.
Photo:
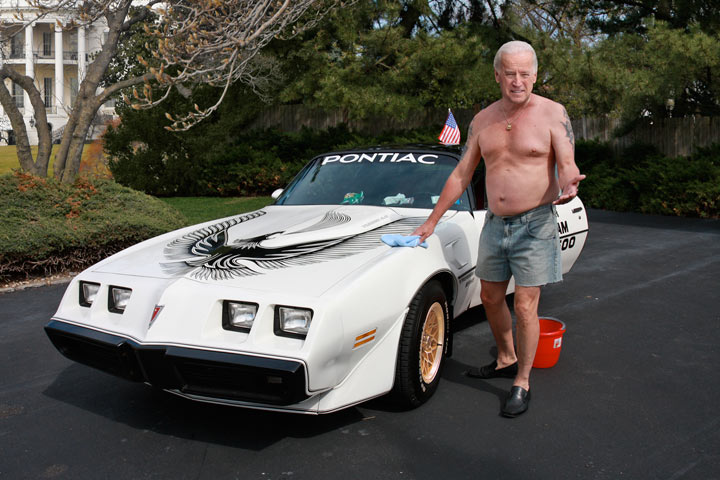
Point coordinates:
[(208, 255)]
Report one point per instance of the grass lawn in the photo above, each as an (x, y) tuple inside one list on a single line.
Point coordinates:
[(202, 209), (9, 159)]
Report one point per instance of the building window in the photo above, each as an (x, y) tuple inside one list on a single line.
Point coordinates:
[(18, 95), (47, 44), (47, 91), (17, 46), (73, 43)]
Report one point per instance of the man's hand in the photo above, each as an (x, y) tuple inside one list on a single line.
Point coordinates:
[(570, 190), (425, 230)]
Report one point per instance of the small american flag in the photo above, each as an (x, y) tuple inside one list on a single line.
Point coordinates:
[(450, 134)]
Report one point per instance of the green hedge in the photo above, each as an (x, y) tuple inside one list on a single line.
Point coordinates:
[(642, 180), (249, 164), (48, 227), (256, 163)]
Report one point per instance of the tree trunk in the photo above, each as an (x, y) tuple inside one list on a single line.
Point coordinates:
[(62, 151), (38, 166), (69, 154), (75, 144)]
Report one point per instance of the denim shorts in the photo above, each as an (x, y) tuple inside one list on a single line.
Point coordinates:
[(526, 246)]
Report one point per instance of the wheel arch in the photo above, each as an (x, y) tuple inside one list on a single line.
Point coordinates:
[(448, 282)]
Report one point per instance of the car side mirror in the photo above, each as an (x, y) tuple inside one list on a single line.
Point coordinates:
[(277, 193)]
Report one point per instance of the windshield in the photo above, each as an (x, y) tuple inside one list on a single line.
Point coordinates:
[(379, 178)]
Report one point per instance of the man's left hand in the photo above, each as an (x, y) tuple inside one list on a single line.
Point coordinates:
[(570, 190)]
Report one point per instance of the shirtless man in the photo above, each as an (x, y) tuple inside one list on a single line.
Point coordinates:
[(522, 138)]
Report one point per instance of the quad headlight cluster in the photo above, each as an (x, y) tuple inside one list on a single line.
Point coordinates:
[(118, 297), (289, 321)]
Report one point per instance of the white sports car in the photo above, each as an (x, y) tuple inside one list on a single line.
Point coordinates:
[(299, 306)]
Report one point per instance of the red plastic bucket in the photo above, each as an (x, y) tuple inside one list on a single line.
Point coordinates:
[(550, 343)]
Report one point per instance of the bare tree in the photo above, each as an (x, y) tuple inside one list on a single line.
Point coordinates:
[(218, 43), (559, 19), (198, 42)]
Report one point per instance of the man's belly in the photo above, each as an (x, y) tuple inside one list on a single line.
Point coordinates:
[(520, 198)]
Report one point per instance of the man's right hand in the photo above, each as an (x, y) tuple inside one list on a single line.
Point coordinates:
[(425, 230)]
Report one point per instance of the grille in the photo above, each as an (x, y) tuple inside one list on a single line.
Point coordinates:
[(240, 382)]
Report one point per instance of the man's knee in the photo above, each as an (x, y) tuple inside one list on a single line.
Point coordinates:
[(492, 294), (526, 303)]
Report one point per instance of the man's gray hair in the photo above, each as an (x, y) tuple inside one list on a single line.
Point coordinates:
[(515, 46)]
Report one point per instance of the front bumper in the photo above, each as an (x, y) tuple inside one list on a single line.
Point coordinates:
[(203, 373)]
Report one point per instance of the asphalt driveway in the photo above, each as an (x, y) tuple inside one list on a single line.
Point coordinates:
[(634, 394)]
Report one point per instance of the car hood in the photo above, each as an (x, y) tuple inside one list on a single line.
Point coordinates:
[(306, 249)]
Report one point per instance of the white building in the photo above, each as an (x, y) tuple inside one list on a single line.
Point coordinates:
[(54, 57)]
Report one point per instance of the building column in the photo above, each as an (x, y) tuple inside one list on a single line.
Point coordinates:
[(29, 65), (59, 75), (81, 54)]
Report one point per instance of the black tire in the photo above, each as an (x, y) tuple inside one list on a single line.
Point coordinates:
[(417, 378)]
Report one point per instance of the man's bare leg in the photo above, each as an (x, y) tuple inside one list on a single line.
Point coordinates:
[(528, 331), (492, 295)]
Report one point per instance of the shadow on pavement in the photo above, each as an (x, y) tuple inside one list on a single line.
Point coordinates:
[(145, 408)]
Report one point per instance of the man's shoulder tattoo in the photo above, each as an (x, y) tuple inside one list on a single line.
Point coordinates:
[(465, 147)]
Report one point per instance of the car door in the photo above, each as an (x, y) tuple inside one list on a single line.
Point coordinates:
[(573, 229)]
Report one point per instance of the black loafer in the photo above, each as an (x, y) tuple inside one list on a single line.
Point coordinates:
[(517, 402), (491, 371)]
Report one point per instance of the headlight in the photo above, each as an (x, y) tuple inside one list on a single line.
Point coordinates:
[(239, 315), (292, 321), (88, 292), (118, 299)]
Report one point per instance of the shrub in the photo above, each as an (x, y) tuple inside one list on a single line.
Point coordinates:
[(642, 180), (589, 153), (248, 164), (47, 227), (683, 186)]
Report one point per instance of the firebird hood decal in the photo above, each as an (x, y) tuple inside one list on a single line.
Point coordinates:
[(208, 253)]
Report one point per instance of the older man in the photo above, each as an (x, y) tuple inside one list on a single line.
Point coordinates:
[(522, 137)]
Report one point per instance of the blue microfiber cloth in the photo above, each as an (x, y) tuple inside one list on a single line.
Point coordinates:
[(396, 240)]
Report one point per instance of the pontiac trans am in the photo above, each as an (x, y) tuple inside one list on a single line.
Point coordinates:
[(298, 306)]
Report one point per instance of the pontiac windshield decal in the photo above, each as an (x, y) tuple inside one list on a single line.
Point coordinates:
[(384, 157)]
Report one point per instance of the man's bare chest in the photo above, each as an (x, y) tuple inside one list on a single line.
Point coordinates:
[(524, 140)]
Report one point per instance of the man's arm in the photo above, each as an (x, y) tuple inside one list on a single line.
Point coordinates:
[(563, 142), (455, 185)]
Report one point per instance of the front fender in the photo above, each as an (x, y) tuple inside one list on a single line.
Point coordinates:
[(370, 304)]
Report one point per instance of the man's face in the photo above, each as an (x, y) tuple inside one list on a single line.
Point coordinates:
[(517, 76)]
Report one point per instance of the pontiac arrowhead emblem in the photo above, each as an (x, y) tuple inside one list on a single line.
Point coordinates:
[(156, 312)]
